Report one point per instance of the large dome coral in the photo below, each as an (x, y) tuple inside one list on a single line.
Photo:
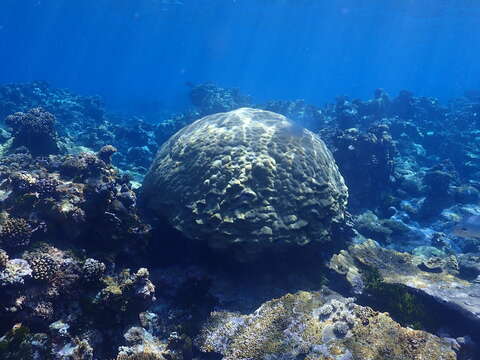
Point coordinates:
[(247, 177)]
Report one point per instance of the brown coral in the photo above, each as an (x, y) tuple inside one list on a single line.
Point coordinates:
[(15, 232), (106, 152), (43, 267), (3, 259), (35, 130)]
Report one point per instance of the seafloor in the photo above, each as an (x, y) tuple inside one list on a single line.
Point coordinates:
[(198, 265)]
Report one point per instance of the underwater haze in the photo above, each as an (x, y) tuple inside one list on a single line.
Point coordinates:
[(239, 180), (145, 51)]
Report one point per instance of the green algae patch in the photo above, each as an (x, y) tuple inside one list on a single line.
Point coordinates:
[(401, 303)]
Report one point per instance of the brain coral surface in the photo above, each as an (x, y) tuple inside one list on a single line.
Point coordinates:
[(250, 177)]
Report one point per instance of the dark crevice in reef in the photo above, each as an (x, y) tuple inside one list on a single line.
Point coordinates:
[(286, 271), (169, 246)]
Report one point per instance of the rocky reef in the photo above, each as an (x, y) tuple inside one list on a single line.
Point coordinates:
[(34, 130), (366, 159), (92, 266), (441, 279), (317, 325), (211, 99), (74, 113), (65, 222)]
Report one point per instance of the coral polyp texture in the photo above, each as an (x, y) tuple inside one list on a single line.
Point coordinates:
[(248, 177)]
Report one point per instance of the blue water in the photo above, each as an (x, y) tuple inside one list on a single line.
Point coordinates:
[(135, 53)]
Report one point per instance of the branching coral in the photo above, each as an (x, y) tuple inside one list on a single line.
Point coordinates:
[(44, 267), (93, 270), (15, 232)]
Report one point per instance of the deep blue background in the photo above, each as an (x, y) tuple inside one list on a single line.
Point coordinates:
[(133, 52)]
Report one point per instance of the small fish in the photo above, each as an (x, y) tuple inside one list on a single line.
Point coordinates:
[(468, 227)]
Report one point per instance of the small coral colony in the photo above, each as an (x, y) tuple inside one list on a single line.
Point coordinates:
[(237, 230)]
